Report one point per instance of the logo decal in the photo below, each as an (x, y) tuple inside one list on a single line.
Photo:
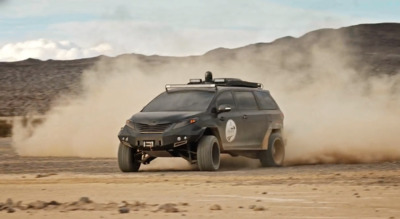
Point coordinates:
[(230, 130)]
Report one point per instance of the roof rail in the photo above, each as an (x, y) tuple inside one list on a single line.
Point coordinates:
[(170, 87)]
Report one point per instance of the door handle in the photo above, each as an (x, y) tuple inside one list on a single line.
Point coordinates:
[(244, 116)]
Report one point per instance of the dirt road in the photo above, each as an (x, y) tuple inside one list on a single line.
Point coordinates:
[(94, 188)]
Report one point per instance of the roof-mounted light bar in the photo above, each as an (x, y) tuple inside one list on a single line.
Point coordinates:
[(170, 87)]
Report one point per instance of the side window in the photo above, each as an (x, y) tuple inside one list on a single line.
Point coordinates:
[(245, 100), (226, 98), (265, 100)]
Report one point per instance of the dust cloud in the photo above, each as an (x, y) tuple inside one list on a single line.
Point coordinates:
[(333, 113), (341, 117)]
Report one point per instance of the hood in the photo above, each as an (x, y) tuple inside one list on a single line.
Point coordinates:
[(162, 117)]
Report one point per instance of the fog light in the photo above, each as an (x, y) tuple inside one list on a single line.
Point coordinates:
[(126, 139), (178, 138), (185, 137)]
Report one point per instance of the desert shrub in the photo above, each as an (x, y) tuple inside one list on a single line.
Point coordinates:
[(5, 129)]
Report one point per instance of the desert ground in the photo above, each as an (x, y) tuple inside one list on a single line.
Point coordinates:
[(64, 187)]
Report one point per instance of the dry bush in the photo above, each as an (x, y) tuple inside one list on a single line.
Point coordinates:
[(5, 129)]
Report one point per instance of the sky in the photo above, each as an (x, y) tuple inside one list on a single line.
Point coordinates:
[(71, 29)]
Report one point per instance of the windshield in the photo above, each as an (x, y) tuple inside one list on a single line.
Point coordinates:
[(180, 101)]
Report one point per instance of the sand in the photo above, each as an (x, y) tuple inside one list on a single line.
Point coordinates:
[(309, 191)]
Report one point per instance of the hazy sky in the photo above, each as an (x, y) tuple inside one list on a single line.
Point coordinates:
[(69, 29)]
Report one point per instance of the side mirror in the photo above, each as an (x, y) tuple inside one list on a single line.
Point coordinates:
[(223, 108)]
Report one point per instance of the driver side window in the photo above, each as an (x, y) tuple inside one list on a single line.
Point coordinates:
[(226, 98)]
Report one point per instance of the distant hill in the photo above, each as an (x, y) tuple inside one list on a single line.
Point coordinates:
[(370, 49)]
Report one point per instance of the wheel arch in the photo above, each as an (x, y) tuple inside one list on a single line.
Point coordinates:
[(267, 136), (276, 131), (282, 133), (214, 131)]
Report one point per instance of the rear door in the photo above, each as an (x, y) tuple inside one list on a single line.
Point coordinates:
[(253, 122), (269, 107)]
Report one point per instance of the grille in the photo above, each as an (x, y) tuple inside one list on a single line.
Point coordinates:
[(157, 128)]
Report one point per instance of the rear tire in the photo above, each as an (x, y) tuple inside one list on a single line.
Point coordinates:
[(127, 159), (208, 153), (274, 156)]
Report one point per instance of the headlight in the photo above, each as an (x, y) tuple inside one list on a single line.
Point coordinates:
[(185, 123), (130, 124)]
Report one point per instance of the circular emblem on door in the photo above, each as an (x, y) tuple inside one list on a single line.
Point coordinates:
[(230, 130)]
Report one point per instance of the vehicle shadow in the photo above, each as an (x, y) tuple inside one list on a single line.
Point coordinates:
[(228, 163)]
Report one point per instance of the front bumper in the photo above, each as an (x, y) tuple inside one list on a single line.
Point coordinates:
[(170, 139)]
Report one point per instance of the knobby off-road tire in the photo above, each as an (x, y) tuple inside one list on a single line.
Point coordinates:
[(274, 156), (208, 153), (127, 160)]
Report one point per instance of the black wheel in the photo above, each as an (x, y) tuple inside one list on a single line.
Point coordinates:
[(274, 156), (208, 153), (127, 159)]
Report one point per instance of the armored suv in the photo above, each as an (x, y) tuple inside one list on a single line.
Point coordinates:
[(202, 119)]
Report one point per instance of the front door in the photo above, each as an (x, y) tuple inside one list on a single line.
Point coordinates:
[(228, 122)]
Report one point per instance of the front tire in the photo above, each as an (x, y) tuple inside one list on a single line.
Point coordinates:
[(274, 156), (208, 153), (127, 159)]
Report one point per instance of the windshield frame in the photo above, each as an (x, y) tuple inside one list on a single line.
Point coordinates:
[(207, 108)]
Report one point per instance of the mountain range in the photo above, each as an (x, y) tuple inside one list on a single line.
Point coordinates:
[(370, 49)]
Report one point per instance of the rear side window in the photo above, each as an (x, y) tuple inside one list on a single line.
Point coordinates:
[(265, 100), (226, 98), (245, 100)]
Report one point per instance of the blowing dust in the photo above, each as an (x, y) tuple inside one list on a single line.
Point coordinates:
[(333, 114)]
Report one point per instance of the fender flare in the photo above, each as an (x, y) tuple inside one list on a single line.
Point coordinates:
[(212, 131)]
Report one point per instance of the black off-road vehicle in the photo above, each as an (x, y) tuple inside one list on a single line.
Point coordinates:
[(202, 119)]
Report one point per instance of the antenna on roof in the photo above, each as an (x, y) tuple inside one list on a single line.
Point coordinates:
[(208, 77)]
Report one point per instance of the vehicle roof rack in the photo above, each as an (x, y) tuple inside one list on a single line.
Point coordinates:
[(212, 84), (234, 82)]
